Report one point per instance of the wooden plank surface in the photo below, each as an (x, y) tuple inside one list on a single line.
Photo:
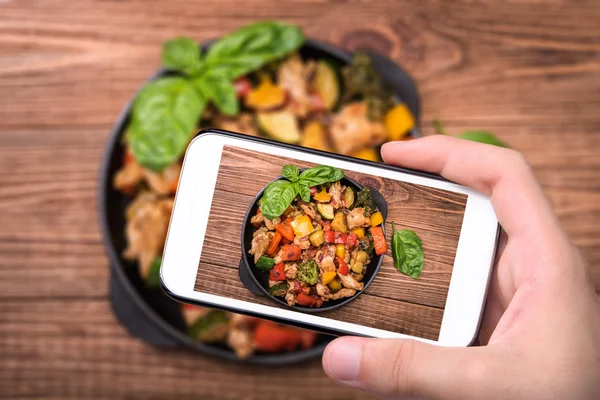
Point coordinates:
[(528, 71)]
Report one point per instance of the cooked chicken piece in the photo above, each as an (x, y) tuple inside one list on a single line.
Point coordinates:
[(164, 182), (324, 258), (335, 191), (290, 296), (241, 321), (349, 282), (242, 123), (240, 340), (279, 257), (294, 77), (146, 230), (326, 293), (351, 129), (257, 219), (358, 277), (272, 223), (356, 218), (128, 176), (191, 314), (302, 242), (346, 257), (311, 210), (309, 254), (260, 243), (291, 270)]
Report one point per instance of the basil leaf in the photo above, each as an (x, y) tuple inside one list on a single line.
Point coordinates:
[(253, 46), (153, 277), (277, 197), (483, 137), (303, 190), (290, 172), (407, 252), (217, 88), (181, 54), (320, 175), (164, 116)]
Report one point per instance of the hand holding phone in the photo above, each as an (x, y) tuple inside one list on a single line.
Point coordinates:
[(541, 328)]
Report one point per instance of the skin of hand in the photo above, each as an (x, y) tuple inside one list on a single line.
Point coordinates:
[(540, 333)]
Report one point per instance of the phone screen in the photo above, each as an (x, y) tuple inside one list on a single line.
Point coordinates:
[(318, 255)]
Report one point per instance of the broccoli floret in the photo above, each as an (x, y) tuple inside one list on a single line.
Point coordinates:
[(365, 199), (308, 272)]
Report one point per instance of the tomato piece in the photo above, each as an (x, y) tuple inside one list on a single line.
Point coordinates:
[(286, 230), (379, 240), (274, 244), (290, 252), (269, 337), (277, 273), (242, 87), (343, 267), (352, 240), (305, 300)]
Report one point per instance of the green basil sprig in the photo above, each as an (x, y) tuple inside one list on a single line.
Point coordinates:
[(479, 136), (166, 111), (279, 195), (407, 252)]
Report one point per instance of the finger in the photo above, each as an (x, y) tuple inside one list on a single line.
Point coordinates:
[(502, 174), (398, 368)]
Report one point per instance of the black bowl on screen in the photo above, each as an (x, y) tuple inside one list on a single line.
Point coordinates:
[(258, 282), (149, 314)]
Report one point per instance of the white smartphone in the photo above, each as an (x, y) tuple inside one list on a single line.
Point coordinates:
[(338, 245)]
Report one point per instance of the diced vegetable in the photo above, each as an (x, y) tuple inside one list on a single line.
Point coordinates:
[(242, 87), (335, 237), (285, 229), (366, 243), (304, 300), (376, 218), (349, 197), (302, 226), (290, 252), (327, 84), (357, 267), (334, 285), (279, 290), (317, 238), (323, 196), (305, 290), (274, 244), (339, 223), (327, 277), (308, 272), (340, 250), (367, 153), (343, 267), (398, 122), (361, 256), (266, 96), (279, 125), (326, 210), (269, 337), (315, 137), (265, 263), (211, 327), (277, 273), (360, 232), (307, 338), (379, 240), (352, 240)]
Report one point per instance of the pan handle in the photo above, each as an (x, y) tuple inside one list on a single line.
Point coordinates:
[(379, 202), (247, 280)]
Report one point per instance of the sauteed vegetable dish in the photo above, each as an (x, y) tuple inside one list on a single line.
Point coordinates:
[(319, 247)]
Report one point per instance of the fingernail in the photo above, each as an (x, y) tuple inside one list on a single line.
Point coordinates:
[(342, 359)]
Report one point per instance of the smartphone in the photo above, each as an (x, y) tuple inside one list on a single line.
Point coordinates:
[(316, 249)]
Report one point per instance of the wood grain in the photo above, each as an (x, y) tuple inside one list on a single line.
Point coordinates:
[(527, 70), (394, 301)]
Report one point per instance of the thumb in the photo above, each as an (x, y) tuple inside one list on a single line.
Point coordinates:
[(398, 368)]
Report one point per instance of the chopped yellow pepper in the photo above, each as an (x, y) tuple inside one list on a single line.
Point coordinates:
[(314, 136), (340, 250), (367, 153), (328, 277), (323, 196), (376, 219), (398, 122), (302, 226), (334, 285), (266, 95), (360, 232)]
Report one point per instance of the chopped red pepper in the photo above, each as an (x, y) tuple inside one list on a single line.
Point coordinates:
[(326, 225), (277, 273), (270, 337), (341, 238), (305, 300), (306, 290), (274, 244), (297, 287), (329, 236), (285, 241), (242, 87), (318, 302), (290, 252), (285, 228), (352, 240), (307, 338), (343, 268), (379, 240), (335, 237)]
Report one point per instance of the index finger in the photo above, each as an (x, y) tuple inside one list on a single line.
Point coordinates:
[(502, 174)]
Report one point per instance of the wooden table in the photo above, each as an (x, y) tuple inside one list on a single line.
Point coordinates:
[(528, 70)]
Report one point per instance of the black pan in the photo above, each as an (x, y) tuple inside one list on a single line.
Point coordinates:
[(149, 314)]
